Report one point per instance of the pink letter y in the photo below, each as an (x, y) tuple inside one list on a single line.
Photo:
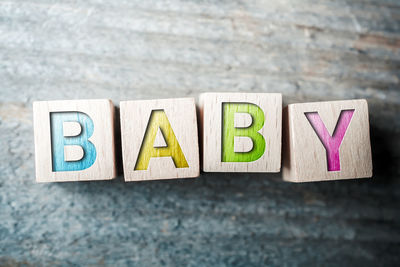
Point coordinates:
[(331, 143)]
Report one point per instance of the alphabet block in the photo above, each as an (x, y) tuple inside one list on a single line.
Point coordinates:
[(327, 141), (241, 132), (74, 140), (159, 139)]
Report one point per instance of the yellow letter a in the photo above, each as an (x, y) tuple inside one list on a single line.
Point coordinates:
[(158, 119)]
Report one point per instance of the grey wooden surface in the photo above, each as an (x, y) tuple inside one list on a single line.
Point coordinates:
[(308, 50)]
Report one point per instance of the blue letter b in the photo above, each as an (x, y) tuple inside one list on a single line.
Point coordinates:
[(59, 141)]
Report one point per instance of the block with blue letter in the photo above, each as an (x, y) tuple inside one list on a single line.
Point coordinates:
[(74, 140)]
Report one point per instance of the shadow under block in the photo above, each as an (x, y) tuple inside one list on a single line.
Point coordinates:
[(74, 140), (159, 139), (327, 141), (241, 132)]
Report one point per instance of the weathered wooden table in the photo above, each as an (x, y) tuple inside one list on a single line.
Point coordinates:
[(307, 50)]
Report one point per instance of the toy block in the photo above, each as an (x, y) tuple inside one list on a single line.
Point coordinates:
[(159, 139), (241, 132), (327, 141), (74, 140)]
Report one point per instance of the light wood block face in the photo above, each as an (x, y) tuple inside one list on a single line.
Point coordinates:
[(159, 139), (241, 132), (327, 141), (74, 140)]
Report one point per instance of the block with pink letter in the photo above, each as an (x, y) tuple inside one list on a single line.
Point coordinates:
[(326, 141)]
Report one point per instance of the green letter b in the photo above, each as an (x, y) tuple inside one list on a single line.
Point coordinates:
[(229, 131)]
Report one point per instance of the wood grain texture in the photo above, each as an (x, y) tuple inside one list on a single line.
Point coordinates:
[(309, 50), (180, 115), (211, 109), (305, 157), (101, 112)]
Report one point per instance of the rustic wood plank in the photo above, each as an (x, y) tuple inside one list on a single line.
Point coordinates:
[(128, 50)]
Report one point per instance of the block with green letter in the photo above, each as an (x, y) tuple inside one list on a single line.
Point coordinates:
[(159, 139), (241, 132), (74, 140)]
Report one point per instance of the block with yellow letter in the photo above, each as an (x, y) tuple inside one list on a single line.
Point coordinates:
[(74, 140), (326, 141), (241, 132), (159, 139)]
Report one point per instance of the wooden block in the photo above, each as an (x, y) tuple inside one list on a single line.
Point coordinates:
[(159, 139), (241, 132), (74, 140), (327, 141)]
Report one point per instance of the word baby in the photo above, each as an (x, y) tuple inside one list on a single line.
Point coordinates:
[(240, 132)]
